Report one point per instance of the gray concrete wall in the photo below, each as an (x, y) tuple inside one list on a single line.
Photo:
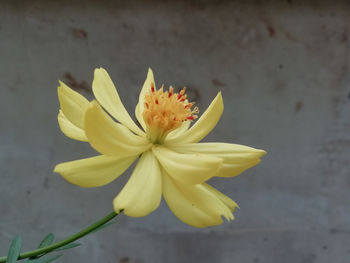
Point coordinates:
[(283, 68)]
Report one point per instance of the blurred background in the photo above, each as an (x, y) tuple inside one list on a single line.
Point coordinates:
[(283, 69)]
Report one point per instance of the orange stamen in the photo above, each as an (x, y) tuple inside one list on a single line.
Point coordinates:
[(164, 112)]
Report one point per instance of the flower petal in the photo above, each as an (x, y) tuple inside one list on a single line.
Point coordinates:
[(236, 158), (69, 129), (196, 205), (145, 89), (142, 193), (94, 171), (231, 170), (187, 168), (107, 95), (232, 205), (109, 137), (73, 105), (203, 125)]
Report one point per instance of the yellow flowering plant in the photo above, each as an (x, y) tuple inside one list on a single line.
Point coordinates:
[(171, 160)]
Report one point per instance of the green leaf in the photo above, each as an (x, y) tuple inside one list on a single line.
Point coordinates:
[(102, 227), (45, 259), (14, 250), (47, 241), (68, 246)]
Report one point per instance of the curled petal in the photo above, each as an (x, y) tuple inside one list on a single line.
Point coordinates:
[(94, 171), (145, 89), (69, 129), (229, 151), (109, 137), (236, 158), (142, 193), (232, 205), (187, 168), (107, 95), (73, 105), (203, 125), (196, 205)]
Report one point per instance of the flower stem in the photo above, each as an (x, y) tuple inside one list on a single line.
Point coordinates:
[(66, 241)]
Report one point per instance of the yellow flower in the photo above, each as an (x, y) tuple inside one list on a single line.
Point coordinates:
[(171, 161)]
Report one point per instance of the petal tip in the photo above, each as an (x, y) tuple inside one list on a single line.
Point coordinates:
[(219, 95), (99, 71), (61, 87), (57, 169), (262, 152), (61, 83), (220, 100)]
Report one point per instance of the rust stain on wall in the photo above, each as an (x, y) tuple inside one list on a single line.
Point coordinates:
[(76, 85), (218, 83), (271, 30), (79, 33), (298, 106)]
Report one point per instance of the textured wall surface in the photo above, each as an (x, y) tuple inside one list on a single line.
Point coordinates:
[(283, 68)]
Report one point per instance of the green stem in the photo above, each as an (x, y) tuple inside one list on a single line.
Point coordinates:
[(66, 241)]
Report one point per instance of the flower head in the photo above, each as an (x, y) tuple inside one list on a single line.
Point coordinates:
[(171, 161)]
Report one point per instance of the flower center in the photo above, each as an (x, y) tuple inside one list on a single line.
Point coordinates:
[(165, 112)]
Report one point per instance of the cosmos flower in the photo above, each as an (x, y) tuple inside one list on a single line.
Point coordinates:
[(171, 161)]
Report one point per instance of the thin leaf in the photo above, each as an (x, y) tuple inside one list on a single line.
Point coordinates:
[(102, 227), (45, 259), (68, 246), (14, 250), (47, 241)]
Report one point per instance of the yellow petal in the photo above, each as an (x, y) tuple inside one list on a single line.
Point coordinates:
[(73, 105), (187, 168), (109, 137), (69, 129), (231, 170), (203, 125), (107, 95), (145, 89), (236, 158), (94, 171), (232, 205), (142, 193), (176, 133), (195, 205)]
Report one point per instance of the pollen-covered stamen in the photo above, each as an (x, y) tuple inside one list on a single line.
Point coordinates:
[(181, 94), (165, 111), (189, 105), (171, 92)]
